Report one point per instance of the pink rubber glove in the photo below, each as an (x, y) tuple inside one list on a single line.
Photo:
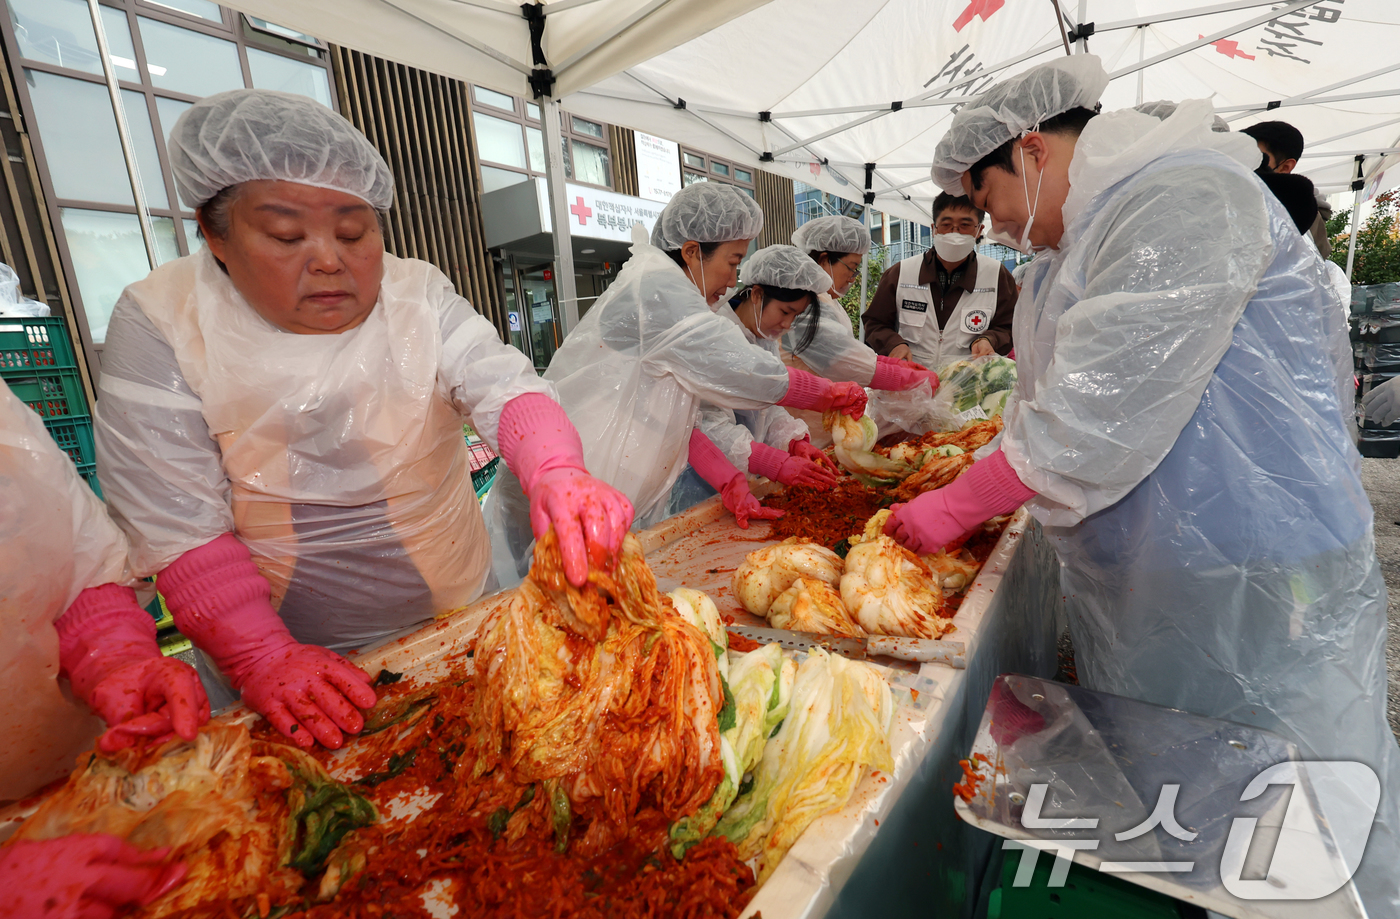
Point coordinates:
[(710, 463), (82, 877), (540, 445), (788, 469), (804, 449), (886, 359), (935, 518), (809, 391), (893, 376), (222, 604), (107, 649)]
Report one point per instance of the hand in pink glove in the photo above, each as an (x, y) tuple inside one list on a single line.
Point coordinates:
[(804, 449), (710, 463), (931, 521), (540, 445), (894, 376), (222, 603), (788, 469), (107, 649), (809, 391), (886, 359), (740, 502), (83, 877)]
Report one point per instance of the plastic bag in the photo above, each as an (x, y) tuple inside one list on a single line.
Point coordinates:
[(12, 302), (977, 388), (915, 411)]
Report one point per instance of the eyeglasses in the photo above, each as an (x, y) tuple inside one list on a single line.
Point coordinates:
[(850, 269)]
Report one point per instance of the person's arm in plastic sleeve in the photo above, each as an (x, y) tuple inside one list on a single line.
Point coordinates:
[(881, 320), (160, 469), (221, 603), (989, 488), (83, 876), (517, 413), (1165, 287), (541, 446), (834, 352), (733, 486), (998, 334)]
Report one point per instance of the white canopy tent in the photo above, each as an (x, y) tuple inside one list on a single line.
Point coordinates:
[(852, 96)]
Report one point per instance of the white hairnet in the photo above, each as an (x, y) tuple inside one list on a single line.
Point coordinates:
[(1013, 107), (248, 134), (706, 212), (1163, 109), (785, 266), (833, 234)]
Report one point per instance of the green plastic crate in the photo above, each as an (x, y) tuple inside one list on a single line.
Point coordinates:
[(74, 437), (89, 473), (51, 393), (42, 343), (1086, 894)]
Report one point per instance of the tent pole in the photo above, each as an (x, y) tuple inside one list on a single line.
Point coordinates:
[(559, 213), (1083, 43), (1142, 53), (864, 257), (1358, 184)]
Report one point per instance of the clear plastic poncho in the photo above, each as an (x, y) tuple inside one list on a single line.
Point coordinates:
[(632, 376), (339, 460), (834, 352), (58, 541), (1178, 413)]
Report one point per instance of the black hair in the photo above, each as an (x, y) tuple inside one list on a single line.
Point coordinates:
[(945, 201), (1281, 139), (804, 327), (706, 250), (1070, 122), (831, 257), (1295, 193)]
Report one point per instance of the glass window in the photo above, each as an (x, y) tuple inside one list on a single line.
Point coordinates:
[(747, 191), (694, 159), (499, 140), (189, 62), (719, 169), (143, 140), (273, 71), (491, 97), (193, 241), (108, 254), (742, 175), (263, 25), (204, 9), (536, 138), (80, 138), (493, 178), (589, 128), (691, 178), (590, 164), (60, 32), (169, 112), (532, 111)]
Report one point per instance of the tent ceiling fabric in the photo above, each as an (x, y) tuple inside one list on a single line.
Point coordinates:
[(806, 61)]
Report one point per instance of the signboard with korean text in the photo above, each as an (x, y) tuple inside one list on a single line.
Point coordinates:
[(601, 214), (658, 167)]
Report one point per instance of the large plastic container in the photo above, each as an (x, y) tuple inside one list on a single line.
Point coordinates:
[(30, 343), (56, 393)]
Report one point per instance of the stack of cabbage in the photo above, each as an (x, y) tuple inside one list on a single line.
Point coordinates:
[(982, 381)]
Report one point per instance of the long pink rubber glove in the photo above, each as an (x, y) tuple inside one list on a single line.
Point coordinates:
[(935, 518), (541, 446), (107, 649), (886, 359), (82, 877), (804, 449), (710, 463), (223, 604), (809, 391), (788, 469), (893, 376)]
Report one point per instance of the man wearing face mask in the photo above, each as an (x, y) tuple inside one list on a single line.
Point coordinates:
[(948, 304)]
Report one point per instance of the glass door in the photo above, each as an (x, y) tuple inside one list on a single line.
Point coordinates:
[(538, 302)]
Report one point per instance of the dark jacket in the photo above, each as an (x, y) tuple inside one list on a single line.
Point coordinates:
[(881, 321)]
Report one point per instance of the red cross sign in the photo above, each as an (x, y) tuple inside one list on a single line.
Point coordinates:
[(983, 8), (581, 211), (1229, 48)]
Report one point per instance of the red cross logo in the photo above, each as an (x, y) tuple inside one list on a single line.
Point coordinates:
[(975, 320), (581, 211), (983, 8), (1229, 48)]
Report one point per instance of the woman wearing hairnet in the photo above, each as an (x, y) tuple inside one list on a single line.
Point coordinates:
[(634, 371), (279, 430), (67, 609), (780, 284), (1176, 428), (837, 244)]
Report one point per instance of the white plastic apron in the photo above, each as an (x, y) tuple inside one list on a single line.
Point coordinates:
[(918, 326), (350, 477)]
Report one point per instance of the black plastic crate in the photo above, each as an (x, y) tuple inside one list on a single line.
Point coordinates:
[(35, 343)]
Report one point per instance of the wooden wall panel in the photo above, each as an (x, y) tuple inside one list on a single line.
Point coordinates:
[(421, 123), (775, 196), (624, 160)]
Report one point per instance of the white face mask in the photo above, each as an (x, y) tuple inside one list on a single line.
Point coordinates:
[(953, 247), (756, 310), (1024, 243)]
